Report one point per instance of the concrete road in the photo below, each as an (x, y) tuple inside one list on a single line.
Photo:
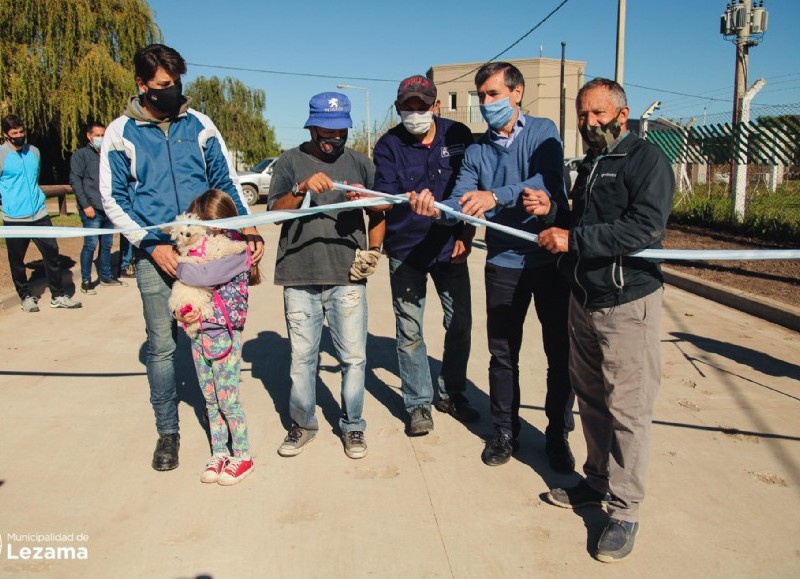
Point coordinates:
[(78, 435)]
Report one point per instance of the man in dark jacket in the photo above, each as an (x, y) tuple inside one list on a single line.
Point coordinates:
[(425, 152), (621, 202), (84, 177)]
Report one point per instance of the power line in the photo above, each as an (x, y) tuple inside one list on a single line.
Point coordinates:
[(512, 45), (283, 72)]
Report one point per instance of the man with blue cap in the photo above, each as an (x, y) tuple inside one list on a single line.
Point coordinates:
[(321, 263)]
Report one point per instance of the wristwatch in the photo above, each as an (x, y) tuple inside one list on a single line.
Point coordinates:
[(296, 190)]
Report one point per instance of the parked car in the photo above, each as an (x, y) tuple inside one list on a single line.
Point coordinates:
[(255, 182)]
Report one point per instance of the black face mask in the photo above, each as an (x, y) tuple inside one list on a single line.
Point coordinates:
[(332, 148), (17, 141), (166, 100)]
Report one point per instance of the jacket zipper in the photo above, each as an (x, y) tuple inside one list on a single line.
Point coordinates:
[(590, 183), (171, 167)]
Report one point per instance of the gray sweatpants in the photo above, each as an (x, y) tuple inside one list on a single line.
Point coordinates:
[(615, 367)]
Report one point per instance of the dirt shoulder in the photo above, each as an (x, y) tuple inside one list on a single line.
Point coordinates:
[(777, 280)]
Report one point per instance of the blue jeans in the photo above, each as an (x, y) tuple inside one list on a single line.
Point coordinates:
[(125, 252), (162, 332), (409, 288), (99, 221), (345, 308)]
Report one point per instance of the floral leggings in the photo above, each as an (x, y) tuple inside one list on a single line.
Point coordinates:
[(219, 381)]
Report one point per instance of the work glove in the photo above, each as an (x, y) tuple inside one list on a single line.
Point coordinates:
[(364, 264)]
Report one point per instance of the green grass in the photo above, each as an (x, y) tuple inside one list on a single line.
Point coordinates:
[(69, 220), (769, 216)]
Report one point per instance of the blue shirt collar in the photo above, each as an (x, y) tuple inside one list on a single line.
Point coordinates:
[(515, 130)]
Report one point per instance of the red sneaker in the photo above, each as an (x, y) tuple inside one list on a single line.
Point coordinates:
[(214, 467), (236, 469)]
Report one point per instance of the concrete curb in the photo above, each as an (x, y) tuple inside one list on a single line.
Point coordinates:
[(760, 307)]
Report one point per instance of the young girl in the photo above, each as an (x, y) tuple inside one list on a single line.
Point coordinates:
[(216, 349)]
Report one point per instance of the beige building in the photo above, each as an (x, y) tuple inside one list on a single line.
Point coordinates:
[(459, 99)]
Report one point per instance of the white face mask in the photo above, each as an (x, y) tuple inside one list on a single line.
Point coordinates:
[(417, 123)]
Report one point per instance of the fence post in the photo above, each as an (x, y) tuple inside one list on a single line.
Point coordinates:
[(739, 177)]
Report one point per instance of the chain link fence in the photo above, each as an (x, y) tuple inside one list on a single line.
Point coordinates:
[(705, 150)]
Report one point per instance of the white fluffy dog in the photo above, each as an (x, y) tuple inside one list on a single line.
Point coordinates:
[(197, 244)]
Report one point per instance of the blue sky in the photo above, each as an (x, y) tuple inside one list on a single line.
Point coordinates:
[(671, 45)]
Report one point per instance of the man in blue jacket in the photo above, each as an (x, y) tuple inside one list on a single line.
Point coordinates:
[(518, 156), (425, 152), (23, 206), (155, 159), (622, 199)]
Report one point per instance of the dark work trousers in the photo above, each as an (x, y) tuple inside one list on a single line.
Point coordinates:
[(16, 258), (508, 295)]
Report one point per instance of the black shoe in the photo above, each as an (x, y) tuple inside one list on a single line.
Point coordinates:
[(420, 422), (87, 288), (165, 456), (581, 495), (457, 406), (112, 281), (559, 455), (616, 542), (499, 449)]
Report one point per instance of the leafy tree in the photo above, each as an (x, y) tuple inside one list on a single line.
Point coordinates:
[(238, 112), (63, 62)]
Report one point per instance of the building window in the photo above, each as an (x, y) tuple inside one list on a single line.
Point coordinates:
[(453, 101)]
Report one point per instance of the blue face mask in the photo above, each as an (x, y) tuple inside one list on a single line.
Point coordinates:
[(498, 113), (96, 142)]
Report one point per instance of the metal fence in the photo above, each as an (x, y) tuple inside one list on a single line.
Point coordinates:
[(761, 156), (770, 139)]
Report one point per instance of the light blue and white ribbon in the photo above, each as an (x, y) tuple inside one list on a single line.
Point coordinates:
[(378, 198)]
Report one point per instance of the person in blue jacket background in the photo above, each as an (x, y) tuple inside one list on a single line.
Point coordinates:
[(23, 205)]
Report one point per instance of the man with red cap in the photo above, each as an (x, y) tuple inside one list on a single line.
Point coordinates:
[(424, 152)]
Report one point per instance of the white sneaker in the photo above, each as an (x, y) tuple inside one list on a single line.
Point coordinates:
[(65, 302), (30, 304)]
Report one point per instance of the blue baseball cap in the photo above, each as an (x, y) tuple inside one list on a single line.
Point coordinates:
[(329, 110)]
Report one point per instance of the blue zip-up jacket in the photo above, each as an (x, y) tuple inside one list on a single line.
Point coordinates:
[(403, 164), (149, 176), (534, 159), (19, 181)]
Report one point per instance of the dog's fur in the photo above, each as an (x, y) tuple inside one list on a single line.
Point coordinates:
[(191, 237)]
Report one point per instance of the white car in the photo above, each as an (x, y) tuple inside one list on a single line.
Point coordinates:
[(255, 182)]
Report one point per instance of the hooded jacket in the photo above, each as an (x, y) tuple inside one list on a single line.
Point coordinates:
[(620, 205), (151, 171)]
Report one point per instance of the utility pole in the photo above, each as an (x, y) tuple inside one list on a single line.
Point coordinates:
[(745, 26), (562, 120), (619, 69)]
